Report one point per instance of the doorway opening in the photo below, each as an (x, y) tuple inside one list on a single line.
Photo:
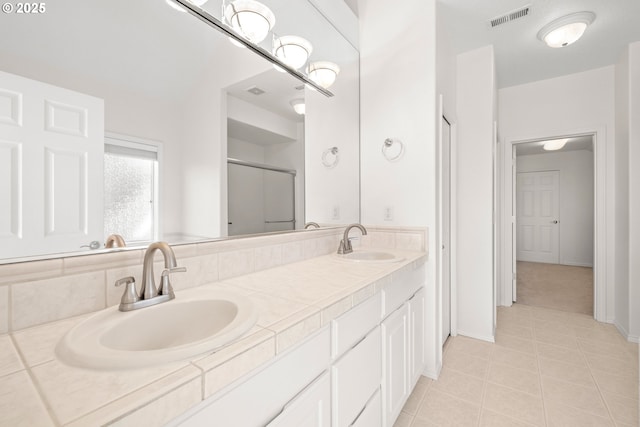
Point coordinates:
[(554, 204)]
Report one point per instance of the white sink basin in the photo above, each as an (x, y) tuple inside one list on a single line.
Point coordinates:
[(192, 324), (370, 256)]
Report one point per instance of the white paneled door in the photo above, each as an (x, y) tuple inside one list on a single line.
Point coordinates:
[(51, 163), (537, 220)]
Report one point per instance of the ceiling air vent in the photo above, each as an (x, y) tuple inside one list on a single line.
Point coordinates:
[(255, 90), (510, 16)]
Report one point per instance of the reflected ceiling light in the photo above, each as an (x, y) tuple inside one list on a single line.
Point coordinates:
[(179, 8), (250, 19), (566, 30), (555, 144), (323, 73), (292, 50), (236, 43), (298, 105)]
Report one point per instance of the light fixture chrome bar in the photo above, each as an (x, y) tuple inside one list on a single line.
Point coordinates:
[(214, 22), (260, 166)]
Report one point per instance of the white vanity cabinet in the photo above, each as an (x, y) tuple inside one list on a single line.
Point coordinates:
[(403, 353), (356, 371), (288, 389)]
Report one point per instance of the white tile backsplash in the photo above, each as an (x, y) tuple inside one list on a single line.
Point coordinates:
[(43, 301), (235, 263)]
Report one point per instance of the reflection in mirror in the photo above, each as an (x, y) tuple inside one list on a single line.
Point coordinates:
[(118, 117)]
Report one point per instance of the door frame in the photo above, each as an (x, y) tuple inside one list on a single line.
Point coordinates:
[(452, 226), (603, 291)]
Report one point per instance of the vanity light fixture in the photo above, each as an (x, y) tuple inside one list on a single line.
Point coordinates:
[(292, 50), (555, 144), (298, 105), (179, 8), (323, 73), (250, 19), (566, 30)]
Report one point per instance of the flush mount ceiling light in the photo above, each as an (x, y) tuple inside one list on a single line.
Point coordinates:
[(298, 105), (323, 73), (179, 8), (292, 50), (250, 19), (555, 144), (566, 30)]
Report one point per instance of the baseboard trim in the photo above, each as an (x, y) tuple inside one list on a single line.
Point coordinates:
[(490, 339), (429, 373), (577, 264)]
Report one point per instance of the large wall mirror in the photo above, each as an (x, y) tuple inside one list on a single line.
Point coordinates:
[(137, 119)]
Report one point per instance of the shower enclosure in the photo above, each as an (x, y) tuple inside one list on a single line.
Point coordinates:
[(261, 198)]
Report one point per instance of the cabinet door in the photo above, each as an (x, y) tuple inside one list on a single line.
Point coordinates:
[(416, 336), (395, 379), (371, 415), (311, 408), (355, 377)]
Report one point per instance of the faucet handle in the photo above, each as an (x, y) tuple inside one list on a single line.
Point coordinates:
[(165, 284), (130, 294)]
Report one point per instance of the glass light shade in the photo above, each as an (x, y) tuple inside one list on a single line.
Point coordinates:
[(566, 35), (249, 18), (566, 30), (555, 144), (323, 73), (298, 105), (292, 50), (179, 8)]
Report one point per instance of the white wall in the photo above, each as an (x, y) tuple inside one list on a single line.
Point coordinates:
[(333, 122), (622, 192), (634, 191), (576, 103), (397, 49), (475, 85), (576, 200), (204, 142)]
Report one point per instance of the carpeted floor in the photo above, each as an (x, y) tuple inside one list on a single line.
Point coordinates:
[(561, 287)]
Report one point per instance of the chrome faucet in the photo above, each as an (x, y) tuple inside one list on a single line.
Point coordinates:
[(149, 294), (345, 243), (311, 224), (115, 241)]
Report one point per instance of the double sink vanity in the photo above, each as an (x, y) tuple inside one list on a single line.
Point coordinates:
[(330, 340)]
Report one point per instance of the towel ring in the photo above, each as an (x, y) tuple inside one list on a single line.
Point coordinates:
[(389, 152), (330, 157)]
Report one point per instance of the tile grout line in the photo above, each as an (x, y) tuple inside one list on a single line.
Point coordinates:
[(606, 404), (545, 410), (35, 383)]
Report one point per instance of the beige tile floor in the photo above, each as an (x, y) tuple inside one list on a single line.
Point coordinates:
[(547, 368)]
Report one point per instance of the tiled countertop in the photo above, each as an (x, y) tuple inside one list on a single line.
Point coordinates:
[(293, 301)]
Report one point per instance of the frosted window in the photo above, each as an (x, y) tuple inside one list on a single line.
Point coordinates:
[(129, 197)]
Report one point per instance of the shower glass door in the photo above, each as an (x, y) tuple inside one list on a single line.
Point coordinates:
[(261, 198)]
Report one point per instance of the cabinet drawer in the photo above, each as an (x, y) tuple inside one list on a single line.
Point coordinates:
[(263, 396), (404, 284), (371, 415), (355, 377), (354, 324), (311, 408)]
